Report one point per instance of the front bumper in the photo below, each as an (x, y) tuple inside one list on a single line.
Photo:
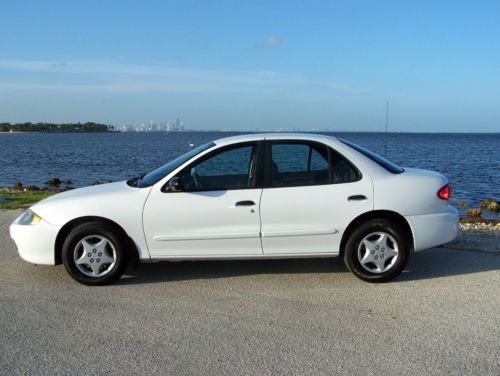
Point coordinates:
[(35, 243), (431, 230)]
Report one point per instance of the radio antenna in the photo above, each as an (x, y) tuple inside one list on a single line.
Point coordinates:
[(386, 125)]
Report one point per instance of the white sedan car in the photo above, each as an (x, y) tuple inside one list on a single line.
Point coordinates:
[(246, 197)]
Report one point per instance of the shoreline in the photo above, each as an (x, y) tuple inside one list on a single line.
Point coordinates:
[(272, 131)]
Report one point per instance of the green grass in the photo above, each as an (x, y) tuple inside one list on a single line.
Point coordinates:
[(17, 200)]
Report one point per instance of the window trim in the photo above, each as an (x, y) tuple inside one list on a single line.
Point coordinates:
[(358, 172), (257, 151), (267, 149)]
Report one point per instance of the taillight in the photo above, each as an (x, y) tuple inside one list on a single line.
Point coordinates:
[(444, 193)]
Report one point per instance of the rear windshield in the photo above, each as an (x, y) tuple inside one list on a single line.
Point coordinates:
[(388, 165)]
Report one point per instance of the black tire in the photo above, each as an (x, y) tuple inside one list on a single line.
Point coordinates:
[(372, 233), (114, 249)]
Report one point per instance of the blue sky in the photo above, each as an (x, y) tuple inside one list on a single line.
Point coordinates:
[(254, 64)]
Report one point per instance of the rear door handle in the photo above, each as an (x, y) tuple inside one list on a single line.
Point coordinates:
[(245, 203), (357, 198)]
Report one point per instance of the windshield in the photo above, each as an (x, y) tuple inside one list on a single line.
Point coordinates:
[(153, 177), (388, 165)]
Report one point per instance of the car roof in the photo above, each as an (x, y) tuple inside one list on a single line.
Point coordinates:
[(271, 136)]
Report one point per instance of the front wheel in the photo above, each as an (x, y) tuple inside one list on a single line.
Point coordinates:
[(94, 254), (377, 251)]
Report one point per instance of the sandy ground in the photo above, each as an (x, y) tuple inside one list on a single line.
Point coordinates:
[(255, 317)]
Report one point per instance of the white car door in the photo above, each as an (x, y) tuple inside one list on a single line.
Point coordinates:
[(215, 212), (310, 196)]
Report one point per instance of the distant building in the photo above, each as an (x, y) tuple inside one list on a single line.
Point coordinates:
[(152, 126)]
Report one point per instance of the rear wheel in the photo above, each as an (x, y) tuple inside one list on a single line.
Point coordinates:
[(94, 254), (377, 251)]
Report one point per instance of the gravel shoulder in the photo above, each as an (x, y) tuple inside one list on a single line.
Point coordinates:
[(479, 237), (252, 317)]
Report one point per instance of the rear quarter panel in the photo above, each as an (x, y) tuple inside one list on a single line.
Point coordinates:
[(411, 192)]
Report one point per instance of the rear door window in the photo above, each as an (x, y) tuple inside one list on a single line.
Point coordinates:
[(295, 164), (300, 163)]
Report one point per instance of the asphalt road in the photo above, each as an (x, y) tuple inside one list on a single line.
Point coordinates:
[(442, 316)]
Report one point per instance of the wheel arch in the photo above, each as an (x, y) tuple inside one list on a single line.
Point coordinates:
[(378, 214), (66, 229)]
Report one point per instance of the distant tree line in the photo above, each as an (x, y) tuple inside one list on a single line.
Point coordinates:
[(55, 128)]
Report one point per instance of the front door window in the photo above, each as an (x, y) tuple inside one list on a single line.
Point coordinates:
[(228, 169)]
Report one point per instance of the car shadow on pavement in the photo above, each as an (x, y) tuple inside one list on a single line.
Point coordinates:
[(443, 262), (188, 270), (429, 264)]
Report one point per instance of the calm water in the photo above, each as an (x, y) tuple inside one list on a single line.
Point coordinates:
[(471, 161)]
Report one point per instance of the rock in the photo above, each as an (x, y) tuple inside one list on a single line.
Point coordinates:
[(494, 206), (55, 182), (17, 185), (67, 182), (95, 182), (462, 204), (32, 188), (474, 213), (486, 202)]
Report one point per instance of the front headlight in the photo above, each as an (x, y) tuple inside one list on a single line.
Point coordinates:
[(28, 218)]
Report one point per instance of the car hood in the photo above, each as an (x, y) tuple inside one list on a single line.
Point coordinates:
[(80, 193), (99, 200)]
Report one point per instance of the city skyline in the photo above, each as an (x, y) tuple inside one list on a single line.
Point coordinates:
[(254, 65)]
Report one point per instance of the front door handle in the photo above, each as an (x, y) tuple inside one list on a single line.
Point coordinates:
[(245, 203), (357, 198)]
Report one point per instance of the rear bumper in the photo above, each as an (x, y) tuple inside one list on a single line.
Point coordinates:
[(431, 230), (35, 243)]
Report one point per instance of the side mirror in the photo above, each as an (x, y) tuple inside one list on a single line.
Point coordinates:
[(174, 184)]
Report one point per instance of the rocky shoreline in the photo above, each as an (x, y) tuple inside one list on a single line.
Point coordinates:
[(480, 228)]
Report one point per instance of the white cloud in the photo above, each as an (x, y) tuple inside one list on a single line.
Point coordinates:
[(272, 41), (106, 75)]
